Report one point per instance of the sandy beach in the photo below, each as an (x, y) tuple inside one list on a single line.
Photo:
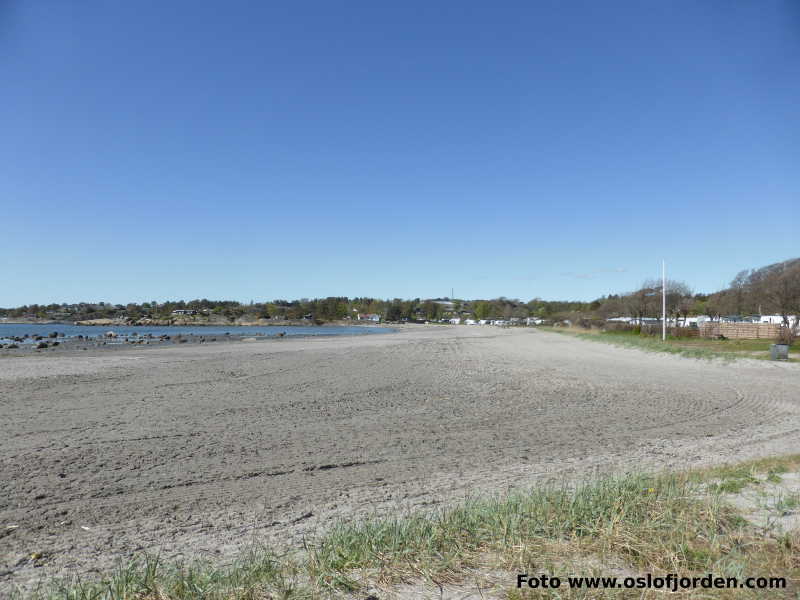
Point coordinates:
[(202, 450)]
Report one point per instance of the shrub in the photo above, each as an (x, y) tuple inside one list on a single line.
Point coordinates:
[(785, 336)]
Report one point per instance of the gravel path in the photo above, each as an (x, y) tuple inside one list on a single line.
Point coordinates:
[(202, 450)]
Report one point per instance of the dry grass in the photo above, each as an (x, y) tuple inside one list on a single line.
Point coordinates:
[(633, 525), (689, 347)]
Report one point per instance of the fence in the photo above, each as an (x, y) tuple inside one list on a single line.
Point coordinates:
[(651, 329), (741, 331), (678, 332)]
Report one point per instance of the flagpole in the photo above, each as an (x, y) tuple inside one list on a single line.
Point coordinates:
[(663, 300)]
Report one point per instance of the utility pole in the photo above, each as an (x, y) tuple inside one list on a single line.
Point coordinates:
[(663, 301)]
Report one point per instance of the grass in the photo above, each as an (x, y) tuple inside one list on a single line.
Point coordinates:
[(787, 503), (689, 347), (636, 524)]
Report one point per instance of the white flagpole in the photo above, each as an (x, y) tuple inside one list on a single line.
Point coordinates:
[(663, 300)]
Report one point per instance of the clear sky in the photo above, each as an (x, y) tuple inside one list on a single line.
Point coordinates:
[(156, 150)]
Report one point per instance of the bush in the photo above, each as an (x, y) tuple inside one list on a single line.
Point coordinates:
[(682, 332), (651, 330), (786, 336)]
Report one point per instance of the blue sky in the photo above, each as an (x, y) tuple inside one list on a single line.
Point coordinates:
[(255, 150)]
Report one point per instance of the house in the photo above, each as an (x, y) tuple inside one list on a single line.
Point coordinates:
[(776, 319), (182, 311), (635, 320), (736, 319), (648, 321), (375, 318)]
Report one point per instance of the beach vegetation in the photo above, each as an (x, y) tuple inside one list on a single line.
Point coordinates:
[(690, 347), (635, 524)]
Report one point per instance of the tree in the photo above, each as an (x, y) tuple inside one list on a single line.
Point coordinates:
[(779, 285), (679, 298), (482, 309), (642, 303), (394, 311)]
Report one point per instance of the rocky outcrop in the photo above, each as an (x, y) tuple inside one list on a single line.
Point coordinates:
[(148, 321), (104, 322)]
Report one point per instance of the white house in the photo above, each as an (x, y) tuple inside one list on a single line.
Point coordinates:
[(777, 319), (369, 317), (681, 322)]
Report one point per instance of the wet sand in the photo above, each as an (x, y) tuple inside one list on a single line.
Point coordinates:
[(202, 449)]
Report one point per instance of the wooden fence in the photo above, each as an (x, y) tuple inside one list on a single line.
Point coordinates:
[(741, 331), (679, 332)]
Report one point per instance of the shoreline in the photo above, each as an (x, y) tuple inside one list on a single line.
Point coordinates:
[(84, 345), (174, 323)]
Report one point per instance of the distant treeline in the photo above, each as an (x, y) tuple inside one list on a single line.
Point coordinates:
[(774, 289), (320, 309), (770, 290)]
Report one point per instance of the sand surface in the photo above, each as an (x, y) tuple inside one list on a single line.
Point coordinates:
[(203, 450)]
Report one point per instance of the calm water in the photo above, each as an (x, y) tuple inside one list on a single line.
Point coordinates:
[(9, 330)]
